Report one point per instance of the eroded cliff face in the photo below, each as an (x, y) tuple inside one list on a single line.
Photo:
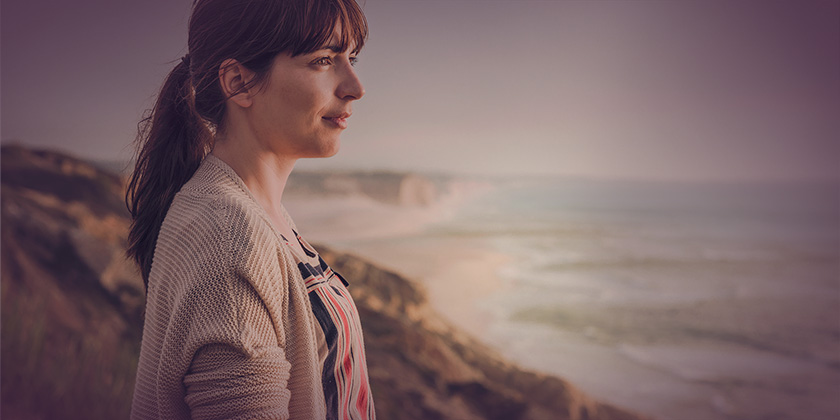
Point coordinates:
[(72, 316), (400, 189)]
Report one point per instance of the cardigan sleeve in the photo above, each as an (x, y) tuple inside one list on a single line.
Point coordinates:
[(238, 367), (226, 383)]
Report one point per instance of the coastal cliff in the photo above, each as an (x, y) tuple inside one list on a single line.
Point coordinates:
[(422, 367), (387, 187), (72, 311)]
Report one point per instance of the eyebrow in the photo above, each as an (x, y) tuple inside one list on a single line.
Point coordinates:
[(335, 49)]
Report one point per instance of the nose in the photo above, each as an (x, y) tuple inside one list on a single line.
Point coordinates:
[(350, 87)]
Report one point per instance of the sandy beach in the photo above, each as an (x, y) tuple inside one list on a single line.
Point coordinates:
[(458, 276), (457, 273), (738, 341)]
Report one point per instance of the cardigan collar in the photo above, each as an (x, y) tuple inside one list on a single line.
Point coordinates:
[(215, 167)]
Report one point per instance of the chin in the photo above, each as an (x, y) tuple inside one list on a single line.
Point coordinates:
[(332, 153), (328, 150)]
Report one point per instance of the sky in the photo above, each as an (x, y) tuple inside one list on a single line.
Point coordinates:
[(630, 89)]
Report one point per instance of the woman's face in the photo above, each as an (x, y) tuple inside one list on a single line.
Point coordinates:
[(305, 104)]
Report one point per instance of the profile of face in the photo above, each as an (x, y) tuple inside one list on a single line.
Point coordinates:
[(304, 105)]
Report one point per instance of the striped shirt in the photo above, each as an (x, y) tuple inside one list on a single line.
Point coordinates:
[(342, 353)]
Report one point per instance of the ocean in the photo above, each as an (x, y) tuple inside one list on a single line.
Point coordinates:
[(677, 300)]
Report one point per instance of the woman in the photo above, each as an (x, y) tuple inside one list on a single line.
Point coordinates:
[(243, 318)]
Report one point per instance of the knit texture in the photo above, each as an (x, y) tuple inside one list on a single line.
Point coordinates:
[(229, 331)]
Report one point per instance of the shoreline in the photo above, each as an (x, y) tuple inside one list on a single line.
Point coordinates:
[(446, 285), (457, 273), (661, 380), (461, 276), (469, 282), (458, 277)]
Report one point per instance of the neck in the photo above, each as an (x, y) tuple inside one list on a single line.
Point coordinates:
[(264, 173)]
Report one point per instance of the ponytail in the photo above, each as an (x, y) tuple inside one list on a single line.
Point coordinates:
[(172, 141)]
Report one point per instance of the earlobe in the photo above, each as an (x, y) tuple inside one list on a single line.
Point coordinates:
[(233, 76)]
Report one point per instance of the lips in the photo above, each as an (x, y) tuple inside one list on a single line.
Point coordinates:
[(339, 120), (343, 115)]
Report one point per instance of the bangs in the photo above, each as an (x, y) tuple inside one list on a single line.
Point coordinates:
[(254, 32), (319, 20)]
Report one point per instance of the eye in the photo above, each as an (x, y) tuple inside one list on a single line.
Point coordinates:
[(354, 60), (323, 61)]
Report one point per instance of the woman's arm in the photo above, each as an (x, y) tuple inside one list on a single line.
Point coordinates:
[(226, 383)]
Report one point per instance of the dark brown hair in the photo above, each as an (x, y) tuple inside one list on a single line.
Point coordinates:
[(177, 133)]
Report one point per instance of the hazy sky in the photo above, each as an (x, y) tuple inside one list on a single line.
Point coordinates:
[(677, 89)]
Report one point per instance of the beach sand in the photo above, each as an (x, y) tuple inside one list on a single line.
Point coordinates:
[(458, 273), (595, 341)]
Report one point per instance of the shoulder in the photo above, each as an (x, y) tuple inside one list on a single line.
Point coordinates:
[(214, 229), (216, 202), (217, 263)]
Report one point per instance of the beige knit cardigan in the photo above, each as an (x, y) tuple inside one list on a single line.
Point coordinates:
[(229, 332)]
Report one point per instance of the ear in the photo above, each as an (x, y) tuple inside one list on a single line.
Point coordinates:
[(232, 77)]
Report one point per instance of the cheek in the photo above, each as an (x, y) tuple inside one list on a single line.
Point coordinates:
[(312, 95), (300, 107), (298, 103), (285, 111)]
